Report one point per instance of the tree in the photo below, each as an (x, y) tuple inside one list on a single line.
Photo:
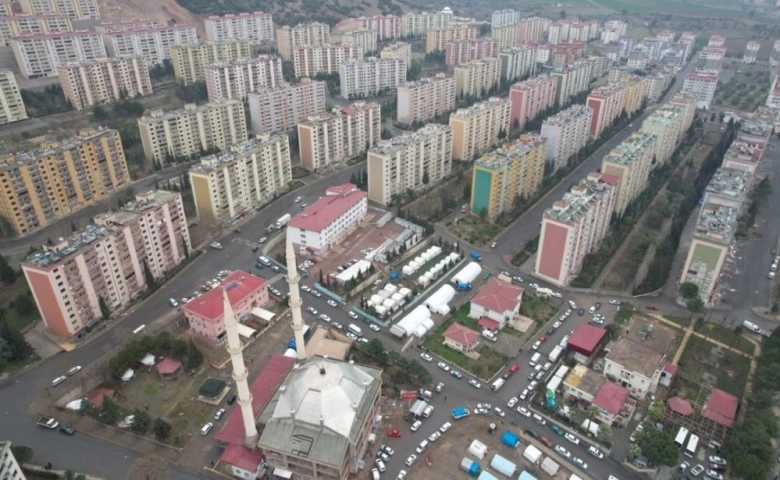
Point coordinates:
[(16, 343), (104, 311), (7, 273), (634, 450), (695, 305), (22, 454), (194, 356), (150, 282), (161, 429), (110, 412), (24, 304), (425, 178), (656, 410), (605, 432), (142, 422), (688, 290), (659, 447), (593, 412)]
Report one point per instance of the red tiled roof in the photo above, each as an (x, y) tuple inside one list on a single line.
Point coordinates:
[(670, 368), (461, 334), (96, 398), (242, 457), (337, 200), (680, 405), (585, 338), (238, 284), (168, 366), (488, 323), (722, 407), (498, 296), (262, 389), (610, 179), (611, 397)]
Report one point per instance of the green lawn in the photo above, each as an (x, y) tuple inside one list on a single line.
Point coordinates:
[(538, 309), (730, 369), (681, 321), (726, 336), (16, 319)]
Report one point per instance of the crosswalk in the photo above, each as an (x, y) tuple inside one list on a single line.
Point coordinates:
[(276, 278)]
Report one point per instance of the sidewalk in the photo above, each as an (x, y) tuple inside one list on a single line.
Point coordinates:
[(30, 468)]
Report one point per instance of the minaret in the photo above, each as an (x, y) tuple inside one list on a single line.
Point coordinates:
[(295, 300), (239, 372)]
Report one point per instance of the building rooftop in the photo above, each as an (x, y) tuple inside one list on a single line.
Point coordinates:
[(238, 285), (508, 153), (439, 77), (569, 115), (607, 90), (533, 82), (635, 357), (384, 147), (461, 334), (213, 163), (370, 60), (581, 197), (52, 148), (631, 149), (664, 115), (722, 205), (586, 338), (476, 63), (481, 107), (584, 379), (702, 77), (190, 108), (239, 15), (611, 397), (38, 36), (680, 406), (498, 296), (353, 109), (396, 46), (320, 214), (721, 407), (243, 61)]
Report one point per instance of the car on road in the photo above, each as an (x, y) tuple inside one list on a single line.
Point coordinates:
[(523, 411), (562, 451), (255, 248), (426, 356), (716, 460), (546, 442), (506, 274), (445, 427), (173, 302), (352, 314), (74, 370), (518, 279), (387, 450), (352, 336), (380, 465), (416, 425), (532, 433), (363, 340), (67, 430), (378, 282), (394, 432), (572, 438), (696, 470), (58, 380), (218, 415), (493, 245), (580, 462), (558, 323), (683, 467), (456, 374), (597, 305), (410, 460), (316, 293), (557, 429), (512, 402), (534, 285), (439, 387), (434, 436), (263, 240), (206, 428), (332, 303), (337, 326), (444, 366), (298, 199), (551, 330), (374, 327), (536, 345), (499, 412), (596, 452), (312, 310), (324, 318), (382, 456), (557, 295), (216, 245), (305, 288), (422, 446), (713, 475), (651, 307), (524, 394), (475, 383), (401, 475)]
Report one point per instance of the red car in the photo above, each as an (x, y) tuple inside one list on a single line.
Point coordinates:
[(512, 369), (651, 307), (394, 432), (542, 339), (546, 442)]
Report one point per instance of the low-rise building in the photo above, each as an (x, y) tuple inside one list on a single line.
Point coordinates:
[(634, 365), (279, 109), (252, 27), (11, 103), (586, 341), (289, 38), (310, 60), (589, 388), (189, 60), (237, 78), (497, 300), (425, 98), (751, 52), (371, 77), (400, 50), (477, 128), (567, 132), (365, 39), (40, 55), (477, 77), (466, 50), (631, 162), (104, 80), (703, 87), (530, 98), (461, 338)]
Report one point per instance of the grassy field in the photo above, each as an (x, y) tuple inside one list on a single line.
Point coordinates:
[(729, 369), (8, 293), (745, 91), (725, 336)]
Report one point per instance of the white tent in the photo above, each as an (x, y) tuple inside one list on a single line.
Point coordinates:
[(428, 324), (376, 299), (390, 288), (532, 454), (423, 281), (478, 449), (380, 310), (408, 270), (352, 272), (408, 324), (435, 250), (554, 384), (75, 404), (389, 304), (290, 352), (437, 302), (405, 291), (128, 375), (148, 360), (398, 297), (550, 467), (468, 273), (420, 331)]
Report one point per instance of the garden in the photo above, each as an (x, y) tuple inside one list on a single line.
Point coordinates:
[(745, 91)]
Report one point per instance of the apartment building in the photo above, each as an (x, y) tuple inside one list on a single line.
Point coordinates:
[(638, 58), (246, 175), (279, 109), (40, 55), (6, 7), (512, 171), (505, 17), (104, 80), (716, 41), (532, 29), (571, 80), (666, 123), (140, 38), (773, 99), (607, 103), (774, 57), (751, 52), (337, 136), (656, 84), (11, 105), (400, 50), (388, 27), (518, 62), (310, 60), (414, 24), (710, 60), (631, 162), (289, 38), (9, 467), (506, 35), (531, 97), (437, 38), (365, 39), (192, 130), (413, 161), (106, 262), (568, 52), (477, 77), (688, 102), (190, 60), (479, 127), (612, 31), (371, 77), (703, 86), (238, 78), (253, 27), (567, 132), (462, 51), (74, 9), (574, 227), (13, 26), (425, 98)]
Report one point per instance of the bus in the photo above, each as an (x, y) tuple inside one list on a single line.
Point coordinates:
[(693, 444), (682, 434)]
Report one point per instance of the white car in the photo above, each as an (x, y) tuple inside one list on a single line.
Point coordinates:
[(352, 336), (422, 446), (387, 450), (374, 327), (416, 425), (216, 245), (524, 394), (173, 302), (475, 383), (263, 240), (305, 288), (512, 402), (434, 436), (219, 413), (352, 314), (363, 340), (557, 295), (332, 303), (324, 318), (562, 451), (381, 465), (696, 471), (713, 474), (536, 345), (572, 438), (547, 366), (717, 460), (383, 456), (444, 366), (439, 387), (410, 460), (534, 285), (523, 411), (426, 356), (298, 199), (312, 310), (499, 412), (445, 427), (580, 462), (614, 302), (206, 428), (74, 370), (596, 452)]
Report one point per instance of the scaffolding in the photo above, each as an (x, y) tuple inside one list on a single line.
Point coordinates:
[(696, 422)]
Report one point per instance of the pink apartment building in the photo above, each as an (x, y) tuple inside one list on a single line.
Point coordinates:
[(607, 103), (462, 51), (387, 27), (531, 97)]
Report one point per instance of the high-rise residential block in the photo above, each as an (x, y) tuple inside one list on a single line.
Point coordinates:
[(40, 55), (414, 24), (436, 39), (773, 99), (253, 27), (506, 35), (710, 60), (6, 7), (504, 17), (774, 57), (479, 127), (413, 161), (751, 52), (666, 123), (302, 35), (477, 77), (104, 80), (514, 170), (60, 178), (631, 161), (11, 104), (388, 27), (189, 60), (400, 50), (462, 51), (532, 29), (246, 175), (572, 80), (574, 227), (371, 77), (567, 132), (365, 39), (105, 265), (9, 466), (607, 103), (656, 84), (337, 136), (153, 41), (568, 52), (236, 79), (279, 109), (531, 97), (518, 62), (688, 102), (74, 9), (192, 130), (716, 41), (308, 61), (425, 98), (13, 26), (703, 86)]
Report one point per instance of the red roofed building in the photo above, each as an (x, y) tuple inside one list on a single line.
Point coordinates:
[(610, 400), (721, 408), (680, 406), (96, 399), (168, 367), (205, 313), (327, 221), (460, 338), (586, 341), (497, 300)]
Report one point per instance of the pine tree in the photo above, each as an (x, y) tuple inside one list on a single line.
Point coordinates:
[(17, 344), (104, 310), (7, 273), (150, 282)]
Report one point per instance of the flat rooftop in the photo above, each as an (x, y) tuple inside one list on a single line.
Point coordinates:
[(214, 162), (631, 149), (435, 130), (580, 198)]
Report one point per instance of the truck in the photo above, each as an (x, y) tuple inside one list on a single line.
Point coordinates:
[(462, 286), (282, 221), (48, 422), (459, 412), (469, 466), (497, 384), (555, 354), (476, 256)]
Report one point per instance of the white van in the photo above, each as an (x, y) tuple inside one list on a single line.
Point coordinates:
[(263, 260), (535, 359), (497, 384), (428, 411), (752, 327), (355, 329)]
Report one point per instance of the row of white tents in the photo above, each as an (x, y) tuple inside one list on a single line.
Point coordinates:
[(437, 270), (389, 299), (420, 260), (418, 322)]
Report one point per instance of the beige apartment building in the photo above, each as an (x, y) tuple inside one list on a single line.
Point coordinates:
[(247, 175), (338, 136), (302, 35), (530, 98), (415, 24), (415, 160), (607, 103), (308, 61), (106, 262), (365, 39), (631, 161), (11, 105), (192, 130), (141, 38), (104, 80), (13, 26), (666, 123), (40, 55), (252, 27), (462, 51), (236, 79), (190, 60), (567, 132), (437, 38), (371, 77), (425, 98), (6, 7), (636, 93), (388, 27), (400, 50), (279, 109), (479, 127), (506, 35), (74, 9), (60, 178), (477, 77), (572, 80), (518, 62), (688, 102)]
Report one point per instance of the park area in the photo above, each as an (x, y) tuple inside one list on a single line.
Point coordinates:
[(745, 91), (711, 365)]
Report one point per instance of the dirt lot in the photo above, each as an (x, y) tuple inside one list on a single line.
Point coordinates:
[(448, 196)]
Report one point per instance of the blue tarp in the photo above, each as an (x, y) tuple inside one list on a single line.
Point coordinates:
[(459, 412), (510, 439), (485, 475), (526, 476), (503, 465)]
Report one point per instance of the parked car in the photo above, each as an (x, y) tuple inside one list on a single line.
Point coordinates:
[(444, 366), (219, 414), (580, 462), (696, 470), (512, 402), (426, 356), (394, 432), (532, 433), (547, 443), (456, 374), (596, 452), (374, 327), (558, 430), (523, 411), (562, 451), (74, 370), (332, 303), (475, 383), (651, 307), (67, 430), (410, 460), (717, 460), (416, 425)]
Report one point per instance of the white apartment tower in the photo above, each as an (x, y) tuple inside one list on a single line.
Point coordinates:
[(388, 27), (505, 17), (40, 55), (308, 61), (254, 27), (703, 87), (11, 104), (190, 60), (74, 9), (15, 25), (414, 24), (152, 41), (425, 98), (400, 50), (751, 52), (365, 39), (279, 109), (371, 77), (104, 80), (302, 35), (238, 78), (567, 132)]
